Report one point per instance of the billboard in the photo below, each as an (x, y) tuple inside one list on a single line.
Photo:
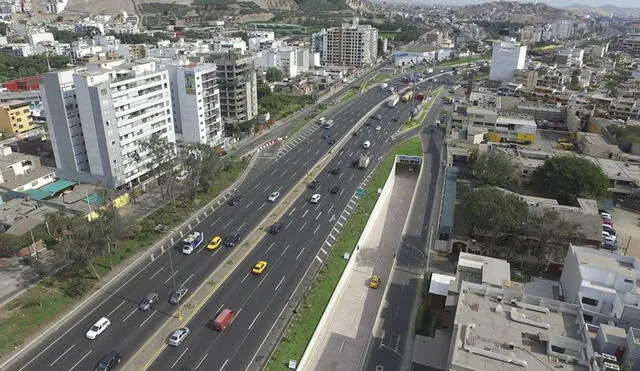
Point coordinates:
[(190, 82)]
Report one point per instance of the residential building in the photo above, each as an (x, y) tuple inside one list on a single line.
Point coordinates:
[(15, 117), (20, 172), (98, 116), (348, 45), (228, 44), (433, 37), (506, 58), (630, 43), (570, 57), (238, 86), (196, 103), (291, 61), (56, 6), (18, 50)]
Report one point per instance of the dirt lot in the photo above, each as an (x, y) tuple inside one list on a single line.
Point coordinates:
[(627, 226)]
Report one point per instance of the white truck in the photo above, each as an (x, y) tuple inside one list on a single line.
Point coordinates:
[(191, 242), (393, 100), (364, 162), (383, 85)]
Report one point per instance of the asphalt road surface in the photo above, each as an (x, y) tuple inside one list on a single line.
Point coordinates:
[(257, 300)]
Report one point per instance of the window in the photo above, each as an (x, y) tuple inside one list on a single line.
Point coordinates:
[(589, 301), (626, 280)]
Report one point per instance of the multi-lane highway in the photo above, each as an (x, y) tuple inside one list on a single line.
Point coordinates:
[(257, 300)]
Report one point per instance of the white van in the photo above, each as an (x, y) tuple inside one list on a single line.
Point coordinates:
[(366, 144)]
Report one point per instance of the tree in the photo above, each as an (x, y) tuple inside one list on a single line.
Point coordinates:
[(274, 74), (59, 18), (494, 169), (263, 91), (198, 162), (566, 178), (3, 29), (553, 234), (161, 159)]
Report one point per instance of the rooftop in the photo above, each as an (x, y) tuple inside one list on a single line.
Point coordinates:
[(501, 330), (494, 271)]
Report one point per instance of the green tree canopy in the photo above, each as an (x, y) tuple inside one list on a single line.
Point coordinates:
[(263, 91), (566, 178), (274, 74), (494, 169)]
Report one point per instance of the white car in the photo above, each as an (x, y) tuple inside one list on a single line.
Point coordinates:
[(315, 198), (366, 144), (98, 328), (273, 197), (178, 336), (378, 128)]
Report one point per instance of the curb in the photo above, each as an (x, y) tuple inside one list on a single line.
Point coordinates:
[(134, 264)]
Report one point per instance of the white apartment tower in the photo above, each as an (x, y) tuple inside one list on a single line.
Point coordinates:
[(348, 45), (98, 116), (506, 58), (196, 103)]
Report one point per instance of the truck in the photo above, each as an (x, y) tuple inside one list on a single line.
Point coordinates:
[(407, 96), (430, 70), (223, 319), (393, 100), (191, 242), (383, 85), (364, 162)]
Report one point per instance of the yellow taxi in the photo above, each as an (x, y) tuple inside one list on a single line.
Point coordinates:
[(215, 243), (374, 282), (259, 267)]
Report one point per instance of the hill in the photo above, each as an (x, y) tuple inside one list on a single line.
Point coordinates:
[(515, 12), (604, 10)]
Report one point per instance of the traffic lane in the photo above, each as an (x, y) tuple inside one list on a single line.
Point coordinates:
[(292, 273)]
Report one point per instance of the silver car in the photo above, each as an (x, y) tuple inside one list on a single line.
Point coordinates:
[(148, 300), (177, 295), (178, 336)]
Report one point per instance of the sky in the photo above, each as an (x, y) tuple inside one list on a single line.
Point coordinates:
[(556, 3)]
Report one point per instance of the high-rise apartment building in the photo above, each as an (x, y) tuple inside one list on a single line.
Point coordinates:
[(196, 103), (99, 115), (506, 58), (630, 43), (348, 45), (238, 87)]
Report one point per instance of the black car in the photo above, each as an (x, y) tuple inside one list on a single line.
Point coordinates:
[(234, 200), (313, 184), (395, 119), (231, 240), (368, 123), (335, 189), (355, 163), (355, 133), (331, 141), (376, 117), (275, 228), (109, 361), (335, 171)]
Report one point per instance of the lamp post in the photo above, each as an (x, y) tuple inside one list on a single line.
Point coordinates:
[(175, 286)]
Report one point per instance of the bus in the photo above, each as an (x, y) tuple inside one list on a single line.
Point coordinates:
[(328, 124)]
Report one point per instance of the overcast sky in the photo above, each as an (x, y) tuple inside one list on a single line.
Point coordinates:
[(556, 3)]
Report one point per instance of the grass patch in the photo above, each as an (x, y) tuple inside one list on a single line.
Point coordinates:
[(299, 333), (29, 313), (461, 61), (32, 311), (387, 35), (349, 94), (382, 77)]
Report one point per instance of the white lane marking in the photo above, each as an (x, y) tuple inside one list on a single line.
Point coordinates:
[(279, 283), (270, 246), (130, 314), (226, 225), (261, 206), (301, 228), (320, 260), (158, 271), (178, 360), (285, 250), (300, 253), (187, 280), (288, 224), (315, 230), (256, 186), (291, 212), (81, 359), (318, 215), (340, 224), (305, 213), (148, 318), (114, 309), (328, 243), (224, 364), (323, 251), (243, 224), (245, 277), (215, 221), (254, 321), (62, 355), (219, 309), (331, 236), (352, 175), (171, 276), (202, 360), (249, 204)]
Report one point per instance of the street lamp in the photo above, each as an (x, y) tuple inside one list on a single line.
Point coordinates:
[(175, 286)]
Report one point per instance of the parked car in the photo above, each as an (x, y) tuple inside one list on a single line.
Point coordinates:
[(178, 294), (178, 336), (148, 300)]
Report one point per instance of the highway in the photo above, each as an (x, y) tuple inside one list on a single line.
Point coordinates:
[(258, 300)]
